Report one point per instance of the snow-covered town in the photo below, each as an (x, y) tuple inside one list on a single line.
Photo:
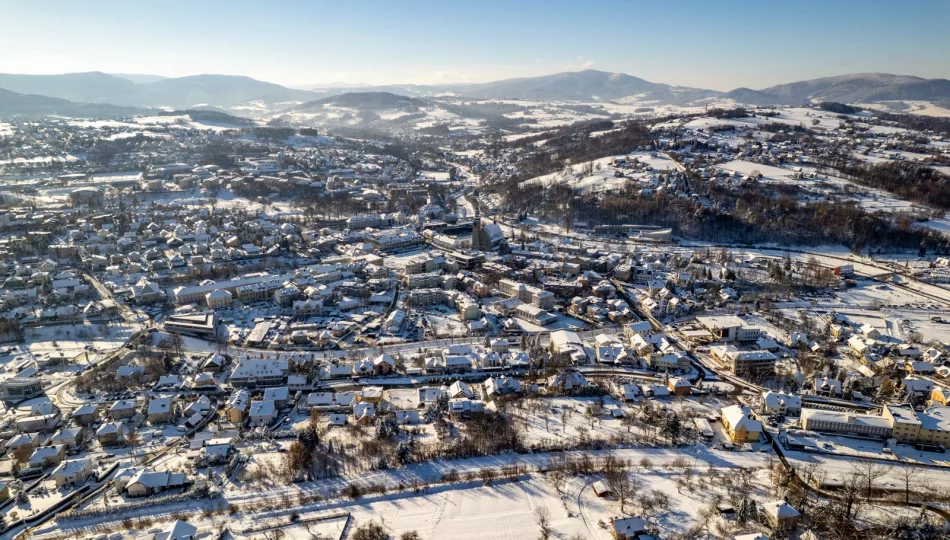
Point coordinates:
[(476, 311)]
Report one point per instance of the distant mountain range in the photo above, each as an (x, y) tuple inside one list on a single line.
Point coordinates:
[(31, 105), (864, 88), (589, 85), (592, 85), (177, 93), (748, 96), (139, 78), (225, 91)]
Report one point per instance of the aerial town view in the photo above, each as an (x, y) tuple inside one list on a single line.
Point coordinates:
[(452, 274)]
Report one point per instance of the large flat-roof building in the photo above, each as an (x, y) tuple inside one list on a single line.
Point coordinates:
[(729, 328), (846, 423), (905, 425), (197, 324), (20, 388), (745, 363), (528, 294)]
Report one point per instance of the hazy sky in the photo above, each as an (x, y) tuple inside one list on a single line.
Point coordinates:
[(712, 44)]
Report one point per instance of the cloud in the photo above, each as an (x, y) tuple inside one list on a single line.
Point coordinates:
[(445, 76), (579, 63)]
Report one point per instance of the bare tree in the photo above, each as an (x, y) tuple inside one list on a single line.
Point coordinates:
[(370, 531), (132, 439), (316, 419), (813, 476), (22, 453), (623, 486), (909, 475), (297, 460), (849, 491), (542, 516), (558, 479), (178, 343), (277, 534), (869, 471), (594, 413)]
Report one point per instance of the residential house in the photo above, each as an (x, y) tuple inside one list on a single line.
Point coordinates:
[(160, 410), (781, 403), (85, 414), (124, 408), (384, 364), (460, 389), (781, 515), (740, 424), (179, 530), (566, 381), (47, 456), (70, 437), (147, 482), (110, 433), (502, 385), (827, 387), (463, 408), (262, 413), (280, 396), (23, 444), (236, 408), (364, 413), (371, 394), (631, 528), (680, 386), (72, 472)]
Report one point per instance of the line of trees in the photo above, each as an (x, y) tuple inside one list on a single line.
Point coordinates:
[(909, 180)]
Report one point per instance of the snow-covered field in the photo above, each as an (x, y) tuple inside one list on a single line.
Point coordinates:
[(83, 341), (924, 108), (604, 177)]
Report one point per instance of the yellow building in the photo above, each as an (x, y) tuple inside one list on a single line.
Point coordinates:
[(905, 426), (371, 394), (740, 425), (935, 426)]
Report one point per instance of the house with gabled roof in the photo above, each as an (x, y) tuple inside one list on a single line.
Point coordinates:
[(364, 413), (160, 410), (262, 413), (237, 406), (72, 472), (502, 385), (147, 482), (740, 424), (630, 528), (48, 456), (780, 514), (110, 433), (280, 396), (124, 408), (460, 389)]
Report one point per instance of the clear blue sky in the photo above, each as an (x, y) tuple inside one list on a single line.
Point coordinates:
[(711, 44)]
